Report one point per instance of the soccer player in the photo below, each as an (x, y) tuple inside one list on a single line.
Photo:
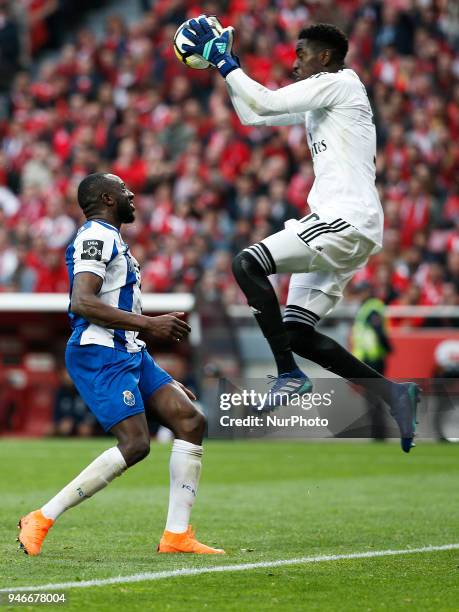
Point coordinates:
[(325, 248), (114, 373)]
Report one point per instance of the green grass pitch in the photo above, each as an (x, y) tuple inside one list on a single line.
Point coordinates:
[(261, 501)]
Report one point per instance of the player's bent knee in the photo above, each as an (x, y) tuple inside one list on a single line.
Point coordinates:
[(135, 450), (237, 267), (195, 423), (191, 426), (201, 422), (245, 265)]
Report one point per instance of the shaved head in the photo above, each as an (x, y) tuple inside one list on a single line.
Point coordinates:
[(91, 189), (103, 193)]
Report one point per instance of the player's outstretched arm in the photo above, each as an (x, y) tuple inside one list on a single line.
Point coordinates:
[(86, 304), (319, 91), (248, 117)]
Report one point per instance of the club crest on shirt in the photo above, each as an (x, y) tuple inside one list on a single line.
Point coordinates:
[(128, 398), (92, 249)]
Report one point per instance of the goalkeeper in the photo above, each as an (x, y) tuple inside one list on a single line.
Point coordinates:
[(325, 248)]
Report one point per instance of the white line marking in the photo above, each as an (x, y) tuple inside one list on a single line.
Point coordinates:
[(147, 576)]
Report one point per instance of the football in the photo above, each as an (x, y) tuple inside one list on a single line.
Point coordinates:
[(192, 60)]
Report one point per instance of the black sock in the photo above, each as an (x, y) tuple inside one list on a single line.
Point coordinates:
[(311, 344), (279, 345), (252, 278)]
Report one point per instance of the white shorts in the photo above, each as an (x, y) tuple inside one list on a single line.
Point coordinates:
[(322, 255)]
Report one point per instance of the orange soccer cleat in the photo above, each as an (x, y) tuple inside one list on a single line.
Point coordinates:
[(185, 543), (34, 527)]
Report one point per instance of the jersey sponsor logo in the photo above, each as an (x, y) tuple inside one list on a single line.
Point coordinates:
[(128, 398), (318, 147), (92, 249)]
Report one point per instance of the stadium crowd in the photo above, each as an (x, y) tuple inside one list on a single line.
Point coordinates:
[(29, 26), (206, 185)]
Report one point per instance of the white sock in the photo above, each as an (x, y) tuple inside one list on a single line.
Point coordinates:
[(185, 469), (93, 478)]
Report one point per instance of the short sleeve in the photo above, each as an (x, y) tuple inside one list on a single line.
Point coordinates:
[(93, 251)]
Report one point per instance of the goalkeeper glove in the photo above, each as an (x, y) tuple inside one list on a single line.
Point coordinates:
[(214, 49)]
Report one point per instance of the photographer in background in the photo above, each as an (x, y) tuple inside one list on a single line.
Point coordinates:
[(371, 344)]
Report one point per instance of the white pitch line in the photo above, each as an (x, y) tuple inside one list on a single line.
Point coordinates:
[(148, 576)]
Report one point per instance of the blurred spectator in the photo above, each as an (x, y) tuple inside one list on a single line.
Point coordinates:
[(24, 278), (10, 47), (27, 26), (8, 259), (71, 417), (412, 297), (371, 344)]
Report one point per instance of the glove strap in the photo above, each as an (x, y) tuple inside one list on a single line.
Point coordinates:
[(226, 65)]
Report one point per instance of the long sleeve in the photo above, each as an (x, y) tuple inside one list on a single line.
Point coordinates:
[(248, 117), (321, 90)]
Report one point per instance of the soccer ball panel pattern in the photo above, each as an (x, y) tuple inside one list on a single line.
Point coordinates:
[(192, 60)]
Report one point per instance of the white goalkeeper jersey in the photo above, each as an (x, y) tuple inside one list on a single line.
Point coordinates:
[(336, 112), (99, 248)]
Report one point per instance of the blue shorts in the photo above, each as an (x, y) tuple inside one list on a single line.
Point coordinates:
[(113, 383)]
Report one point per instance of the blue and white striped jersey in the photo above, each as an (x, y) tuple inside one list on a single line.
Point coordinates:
[(99, 248)]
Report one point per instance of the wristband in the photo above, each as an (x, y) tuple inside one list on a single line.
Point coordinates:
[(226, 65)]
